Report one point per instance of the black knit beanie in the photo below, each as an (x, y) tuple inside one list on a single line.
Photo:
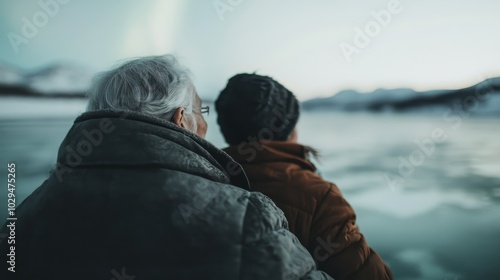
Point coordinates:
[(253, 106)]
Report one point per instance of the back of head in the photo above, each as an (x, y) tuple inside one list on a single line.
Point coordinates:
[(256, 106), (154, 85)]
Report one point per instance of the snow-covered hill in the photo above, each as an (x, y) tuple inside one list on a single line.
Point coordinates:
[(61, 79)]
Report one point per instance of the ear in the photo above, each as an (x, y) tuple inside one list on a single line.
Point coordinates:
[(178, 117)]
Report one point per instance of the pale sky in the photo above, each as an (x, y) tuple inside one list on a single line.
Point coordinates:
[(424, 45)]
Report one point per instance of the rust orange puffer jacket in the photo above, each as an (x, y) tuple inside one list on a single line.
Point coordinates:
[(316, 211)]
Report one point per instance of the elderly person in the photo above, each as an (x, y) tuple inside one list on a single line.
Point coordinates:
[(139, 194), (257, 117)]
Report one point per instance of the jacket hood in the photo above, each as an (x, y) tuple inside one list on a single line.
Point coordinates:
[(131, 139), (271, 151)]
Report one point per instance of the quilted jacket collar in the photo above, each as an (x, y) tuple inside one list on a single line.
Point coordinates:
[(130, 139)]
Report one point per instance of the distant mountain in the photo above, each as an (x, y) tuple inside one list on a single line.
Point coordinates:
[(401, 100), (353, 100), (57, 80)]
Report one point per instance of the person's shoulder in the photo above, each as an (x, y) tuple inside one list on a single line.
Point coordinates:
[(261, 217), (255, 203), (258, 213), (310, 183)]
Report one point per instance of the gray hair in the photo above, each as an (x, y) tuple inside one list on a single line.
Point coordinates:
[(155, 85)]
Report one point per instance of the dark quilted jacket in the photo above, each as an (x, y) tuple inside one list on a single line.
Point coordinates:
[(135, 197)]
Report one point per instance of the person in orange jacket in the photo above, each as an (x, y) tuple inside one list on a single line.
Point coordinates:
[(257, 116)]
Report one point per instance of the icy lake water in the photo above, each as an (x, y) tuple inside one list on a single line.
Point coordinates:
[(439, 218)]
